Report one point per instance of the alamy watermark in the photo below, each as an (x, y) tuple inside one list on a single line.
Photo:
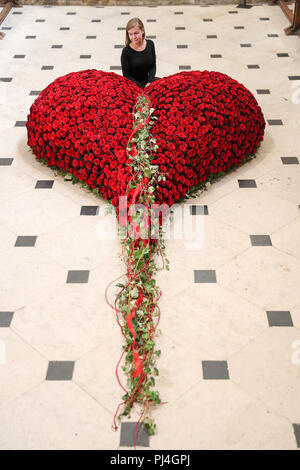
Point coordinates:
[(2, 352), (296, 353), (296, 93), (176, 221)]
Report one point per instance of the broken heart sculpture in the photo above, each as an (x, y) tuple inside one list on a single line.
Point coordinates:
[(96, 126), (206, 123)]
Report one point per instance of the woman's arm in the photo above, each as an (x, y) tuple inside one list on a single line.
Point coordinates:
[(153, 69)]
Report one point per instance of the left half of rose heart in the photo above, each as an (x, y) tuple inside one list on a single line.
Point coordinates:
[(81, 124)]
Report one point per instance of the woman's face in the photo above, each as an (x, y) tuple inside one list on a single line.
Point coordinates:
[(135, 35)]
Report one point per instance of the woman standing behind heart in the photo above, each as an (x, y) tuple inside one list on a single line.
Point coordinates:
[(138, 56)]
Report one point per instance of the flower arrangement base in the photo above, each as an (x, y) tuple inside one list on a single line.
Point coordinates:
[(146, 149)]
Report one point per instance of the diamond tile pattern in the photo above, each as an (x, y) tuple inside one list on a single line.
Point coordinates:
[(230, 310)]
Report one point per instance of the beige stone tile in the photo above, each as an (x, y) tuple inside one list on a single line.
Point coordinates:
[(67, 322), (212, 320), (205, 243), (7, 239), (295, 313), (287, 238), (87, 249), (264, 276), (16, 377), (37, 211), (252, 211), (283, 183), (13, 182), (95, 372), (219, 415), (28, 275), (56, 416), (270, 374)]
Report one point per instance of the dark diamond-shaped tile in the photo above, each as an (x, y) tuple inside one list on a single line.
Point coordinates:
[(297, 434), (35, 93), (78, 277), (30, 37), (275, 122), (19, 56), (56, 46), (260, 240), (60, 370), (6, 161), (25, 240), (247, 183), (89, 210), (47, 67), (211, 36), (246, 44), (63, 28), (215, 370), (273, 35), (83, 56), (215, 56), (5, 319), (263, 92), (44, 184), (198, 210), (290, 160), (128, 433), (253, 66), (182, 46), (5, 79), (294, 77), (91, 37), (180, 28), (184, 67), (279, 318), (20, 124), (239, 27), (205, 276), (282, 54)]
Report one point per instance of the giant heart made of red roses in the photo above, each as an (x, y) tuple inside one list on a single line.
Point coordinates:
[(207, 122)]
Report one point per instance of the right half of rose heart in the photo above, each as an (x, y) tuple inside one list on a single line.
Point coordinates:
[(206, 123)]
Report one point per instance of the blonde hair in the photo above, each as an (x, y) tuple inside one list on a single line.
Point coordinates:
[(131, 24)]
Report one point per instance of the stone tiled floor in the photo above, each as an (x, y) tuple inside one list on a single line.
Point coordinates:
[(230, 340)]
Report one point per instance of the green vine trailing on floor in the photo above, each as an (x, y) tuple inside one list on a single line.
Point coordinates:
[(136, 304), (142, 236)]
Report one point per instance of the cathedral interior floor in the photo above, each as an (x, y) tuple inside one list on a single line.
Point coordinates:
[(230, 310)]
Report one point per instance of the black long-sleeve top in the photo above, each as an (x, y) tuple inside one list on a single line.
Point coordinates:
[(139, 66)]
